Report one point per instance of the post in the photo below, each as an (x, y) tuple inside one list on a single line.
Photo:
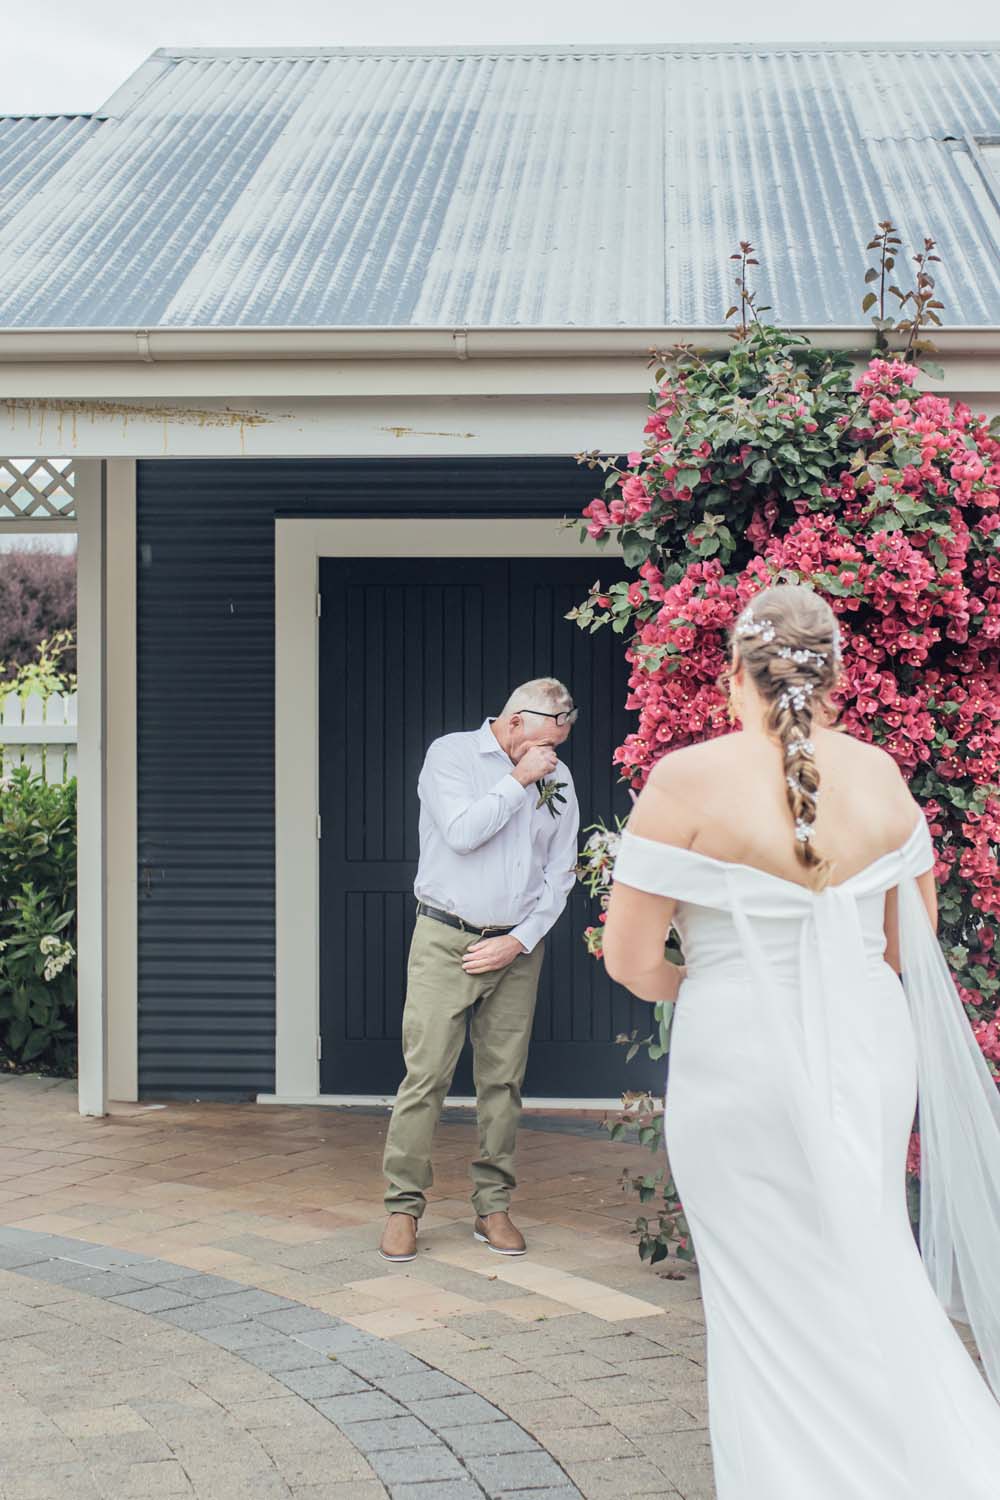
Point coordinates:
[(121, 873), (91, 507)]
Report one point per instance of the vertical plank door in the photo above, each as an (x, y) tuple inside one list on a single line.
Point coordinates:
[(410, 650)]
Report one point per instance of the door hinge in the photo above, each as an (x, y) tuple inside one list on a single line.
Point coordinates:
[(319, 826), (319, 605), (319, 1048)]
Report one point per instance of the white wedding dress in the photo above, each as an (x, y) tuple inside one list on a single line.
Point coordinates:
[(833, 1370)]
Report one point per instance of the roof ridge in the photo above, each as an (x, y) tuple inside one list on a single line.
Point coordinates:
[(65, 114), (584, 49)]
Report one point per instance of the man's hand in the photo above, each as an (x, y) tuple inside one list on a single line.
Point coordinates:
[(535, 764), (491, 953)]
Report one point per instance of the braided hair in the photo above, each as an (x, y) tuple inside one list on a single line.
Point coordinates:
[(788, 639)]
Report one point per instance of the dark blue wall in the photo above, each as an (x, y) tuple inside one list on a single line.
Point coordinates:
[(206, 728)]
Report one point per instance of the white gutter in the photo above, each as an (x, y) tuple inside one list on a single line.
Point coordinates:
[(171, 345)]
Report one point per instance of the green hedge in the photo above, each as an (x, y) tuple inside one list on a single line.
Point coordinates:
[(37, 923)]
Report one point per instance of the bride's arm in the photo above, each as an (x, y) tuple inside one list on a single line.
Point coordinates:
[(909, 811), (635, 935), (928, 892), (638, 922)]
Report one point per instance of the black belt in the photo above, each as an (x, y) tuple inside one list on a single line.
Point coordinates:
[(451, 920)]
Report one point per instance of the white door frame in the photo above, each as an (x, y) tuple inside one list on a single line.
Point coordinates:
[(300, 542)]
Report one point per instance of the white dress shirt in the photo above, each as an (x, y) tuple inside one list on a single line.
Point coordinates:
[(487, 853)]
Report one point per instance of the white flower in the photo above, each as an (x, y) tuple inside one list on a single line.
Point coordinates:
[(59, 955)]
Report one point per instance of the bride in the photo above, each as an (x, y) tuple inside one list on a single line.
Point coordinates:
[(798, 872)]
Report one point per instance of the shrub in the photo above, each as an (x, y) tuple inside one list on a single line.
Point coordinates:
[(37, 922), (775, 461), (37, 599)]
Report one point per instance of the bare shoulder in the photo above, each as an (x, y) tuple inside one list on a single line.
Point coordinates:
[(680, 766), (861, 765), (668, 807), (869, 759)]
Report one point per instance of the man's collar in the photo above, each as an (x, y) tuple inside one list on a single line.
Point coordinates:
[(486, 741)]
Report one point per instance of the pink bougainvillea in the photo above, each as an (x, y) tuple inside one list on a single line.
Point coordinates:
[(777, 460)]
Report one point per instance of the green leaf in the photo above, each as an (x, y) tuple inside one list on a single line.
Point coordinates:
[(17, 1031), (870, 301), (35, 1044), (688, 478), (931, 368), (635, 549)]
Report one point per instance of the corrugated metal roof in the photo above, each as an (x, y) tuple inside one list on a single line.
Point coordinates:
[(499, 187)]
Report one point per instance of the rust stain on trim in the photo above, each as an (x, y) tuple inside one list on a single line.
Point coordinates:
[(421, 432), (40, 409)]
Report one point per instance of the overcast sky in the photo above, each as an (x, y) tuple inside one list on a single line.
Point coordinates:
[(65, 57)]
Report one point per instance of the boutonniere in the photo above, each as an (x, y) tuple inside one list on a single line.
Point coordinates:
[(549, 793)]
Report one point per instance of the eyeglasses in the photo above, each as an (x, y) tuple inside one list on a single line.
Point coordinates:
[(564, 716)]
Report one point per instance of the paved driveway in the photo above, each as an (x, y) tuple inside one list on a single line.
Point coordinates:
[(192, 1305)]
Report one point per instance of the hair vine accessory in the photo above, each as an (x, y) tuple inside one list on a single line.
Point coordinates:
[(747, 625), (802, 655), (794, 747), (797, 696), (803, 830), (838, 646)]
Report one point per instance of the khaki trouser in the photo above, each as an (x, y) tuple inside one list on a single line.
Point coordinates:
[(439, 994)]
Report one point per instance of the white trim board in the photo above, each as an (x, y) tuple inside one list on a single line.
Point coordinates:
[(348, 1101), (299, 544)]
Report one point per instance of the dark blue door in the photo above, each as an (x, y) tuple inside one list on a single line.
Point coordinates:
[(410, 650)]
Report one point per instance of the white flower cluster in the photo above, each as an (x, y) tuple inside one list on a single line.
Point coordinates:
[(803, 830), (57, 955), (794, 746), (600, 847)]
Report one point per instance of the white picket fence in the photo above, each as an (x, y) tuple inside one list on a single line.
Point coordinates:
[(39, 733)]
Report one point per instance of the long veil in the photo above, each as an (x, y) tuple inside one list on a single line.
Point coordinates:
[(959, 1118)]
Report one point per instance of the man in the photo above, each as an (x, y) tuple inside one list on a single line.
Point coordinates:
[(497, 860)]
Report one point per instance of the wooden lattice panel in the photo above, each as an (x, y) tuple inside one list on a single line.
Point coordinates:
[(37, 489)]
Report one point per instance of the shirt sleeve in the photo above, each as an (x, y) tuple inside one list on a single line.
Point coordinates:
[(465, 821), (559, 873)]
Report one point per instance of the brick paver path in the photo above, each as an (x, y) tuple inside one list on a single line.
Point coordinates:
[(324, 1371)]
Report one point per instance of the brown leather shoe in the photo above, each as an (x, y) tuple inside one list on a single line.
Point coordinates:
[(399, 1238), (499, 1234)]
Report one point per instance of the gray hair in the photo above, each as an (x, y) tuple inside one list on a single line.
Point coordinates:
[(546, 693)]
